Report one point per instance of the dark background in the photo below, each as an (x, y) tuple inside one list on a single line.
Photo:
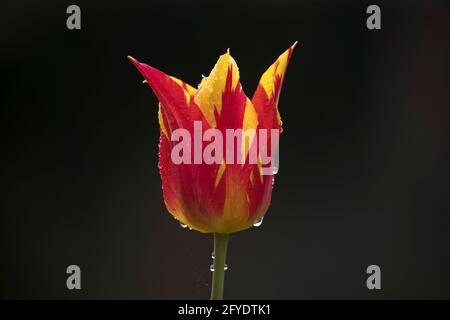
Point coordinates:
[(364, 154)]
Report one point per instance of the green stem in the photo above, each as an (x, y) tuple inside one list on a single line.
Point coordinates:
[(220, 253)]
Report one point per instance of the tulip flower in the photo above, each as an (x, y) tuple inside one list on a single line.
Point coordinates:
[(213, 194)]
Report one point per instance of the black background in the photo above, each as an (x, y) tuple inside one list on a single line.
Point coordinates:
[(363, 165)]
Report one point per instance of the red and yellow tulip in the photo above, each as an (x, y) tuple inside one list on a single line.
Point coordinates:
[(218, 197)]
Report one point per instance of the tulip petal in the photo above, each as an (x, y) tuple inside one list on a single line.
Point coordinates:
[(267, 94), (177, 107), (184, 185), (225, 106), (215, 88)]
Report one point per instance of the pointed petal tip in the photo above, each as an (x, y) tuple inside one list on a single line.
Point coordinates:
[(145, 70), (142, 67), (133, 61), (226, 54), (294, 45)]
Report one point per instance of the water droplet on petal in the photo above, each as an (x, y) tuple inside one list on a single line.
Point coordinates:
[(274, 170), (212, 255), (258, 222), (183, 225)]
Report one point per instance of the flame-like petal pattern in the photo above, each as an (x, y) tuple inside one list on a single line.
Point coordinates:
[(218, 197)]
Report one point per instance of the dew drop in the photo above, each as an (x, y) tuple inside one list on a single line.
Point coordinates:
[(212, 255), (258, 222), (183, 225), (274, 170), (211, 268)]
